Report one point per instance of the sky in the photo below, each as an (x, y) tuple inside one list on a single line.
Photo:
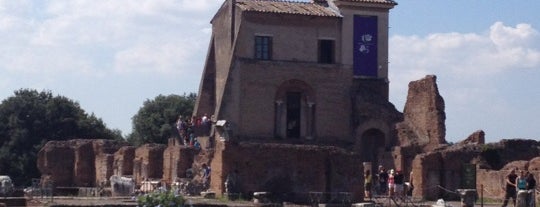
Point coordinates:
[(110, 56)]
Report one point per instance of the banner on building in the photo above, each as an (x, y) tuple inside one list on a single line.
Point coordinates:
[(365, 46)]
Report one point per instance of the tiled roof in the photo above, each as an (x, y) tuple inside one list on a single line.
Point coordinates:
[(286, 7), (375, 1)]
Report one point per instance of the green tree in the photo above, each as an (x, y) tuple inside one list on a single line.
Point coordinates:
[(155, 120), (30, 118)]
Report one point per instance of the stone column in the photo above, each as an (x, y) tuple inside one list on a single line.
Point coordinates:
[(277, 124), (522, 198)]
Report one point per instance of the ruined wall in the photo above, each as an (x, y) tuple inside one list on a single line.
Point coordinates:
[(84, 169), (148, 162), (424, 115), (493, 182), (74, 162), (176, 160), (56, 160), (123, 161), (104, 168), (443, 168), (104, 159), (290, 170)]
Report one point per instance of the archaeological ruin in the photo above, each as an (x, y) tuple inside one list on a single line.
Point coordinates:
[(299, 97)]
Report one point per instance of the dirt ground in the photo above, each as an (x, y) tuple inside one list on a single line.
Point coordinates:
[(58, 201), (126, 201)]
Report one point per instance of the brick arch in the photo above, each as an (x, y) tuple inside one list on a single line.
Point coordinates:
[(372, 142), (295, 85), (296, 118)]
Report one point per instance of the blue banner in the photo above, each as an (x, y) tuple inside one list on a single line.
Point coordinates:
[(365, 46)]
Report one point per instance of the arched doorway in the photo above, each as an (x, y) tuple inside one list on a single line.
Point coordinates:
[(294, 110), (294, 101), (372, 142)]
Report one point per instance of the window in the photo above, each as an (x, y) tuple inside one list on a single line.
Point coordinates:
[(263, 47), (326, 51)]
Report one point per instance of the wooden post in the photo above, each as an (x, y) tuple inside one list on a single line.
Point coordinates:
[(481, 195)]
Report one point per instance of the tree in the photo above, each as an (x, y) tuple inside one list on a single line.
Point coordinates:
[(155, 120), (29, 119)]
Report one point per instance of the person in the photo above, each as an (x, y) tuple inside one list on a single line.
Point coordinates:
[(383, 180), (531, 187), (411, 184), (399, 180), (510, 188), (204, 119), (367, 184), (206, 175), (391, 183), (196, 144), (521, 181), (231, 182), (181, 127)]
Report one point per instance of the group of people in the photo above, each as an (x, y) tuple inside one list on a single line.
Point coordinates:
[(514, 183), (391, 183), (186, 129)]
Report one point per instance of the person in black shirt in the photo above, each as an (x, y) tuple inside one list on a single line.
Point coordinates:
[(382, 180), (510, 190), (531, 185), (398, 181)]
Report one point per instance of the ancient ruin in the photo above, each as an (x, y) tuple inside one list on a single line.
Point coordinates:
[(299, 96)]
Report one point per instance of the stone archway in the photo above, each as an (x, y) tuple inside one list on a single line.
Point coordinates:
[(294, 110), (372, 142)]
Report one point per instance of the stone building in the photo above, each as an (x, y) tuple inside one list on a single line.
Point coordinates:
[(291, 77), (291, 70)]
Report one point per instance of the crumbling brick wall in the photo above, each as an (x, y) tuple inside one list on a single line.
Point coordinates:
[(84, 169), (56, 160), (73, 162), (176, 160), (148, 162), (289, 170), (442, 168), (424, 115), (104, 159), (123, 161)]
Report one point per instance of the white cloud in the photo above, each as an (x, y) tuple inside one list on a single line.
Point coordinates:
[(86, 37), (163, 58), (503, 48), (473, 69)]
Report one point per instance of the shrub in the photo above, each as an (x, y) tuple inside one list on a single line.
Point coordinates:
[(162, 199)]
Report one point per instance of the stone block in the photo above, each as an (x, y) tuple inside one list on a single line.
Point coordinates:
[(208, 194), (261, 197), (368, 204)]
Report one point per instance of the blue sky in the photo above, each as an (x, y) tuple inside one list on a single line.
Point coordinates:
[(111, 56)]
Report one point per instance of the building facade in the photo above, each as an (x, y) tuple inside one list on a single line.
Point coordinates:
[(313, 73)]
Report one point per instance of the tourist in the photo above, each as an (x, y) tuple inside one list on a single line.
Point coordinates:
[(191, 139), (367, 184), (411, 185), (181, 127), (531, 187), (383, 180), (391, 183), (510, 188), (196, 144), (399, 180), (205, 119), (206, 175), (521, 181)]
